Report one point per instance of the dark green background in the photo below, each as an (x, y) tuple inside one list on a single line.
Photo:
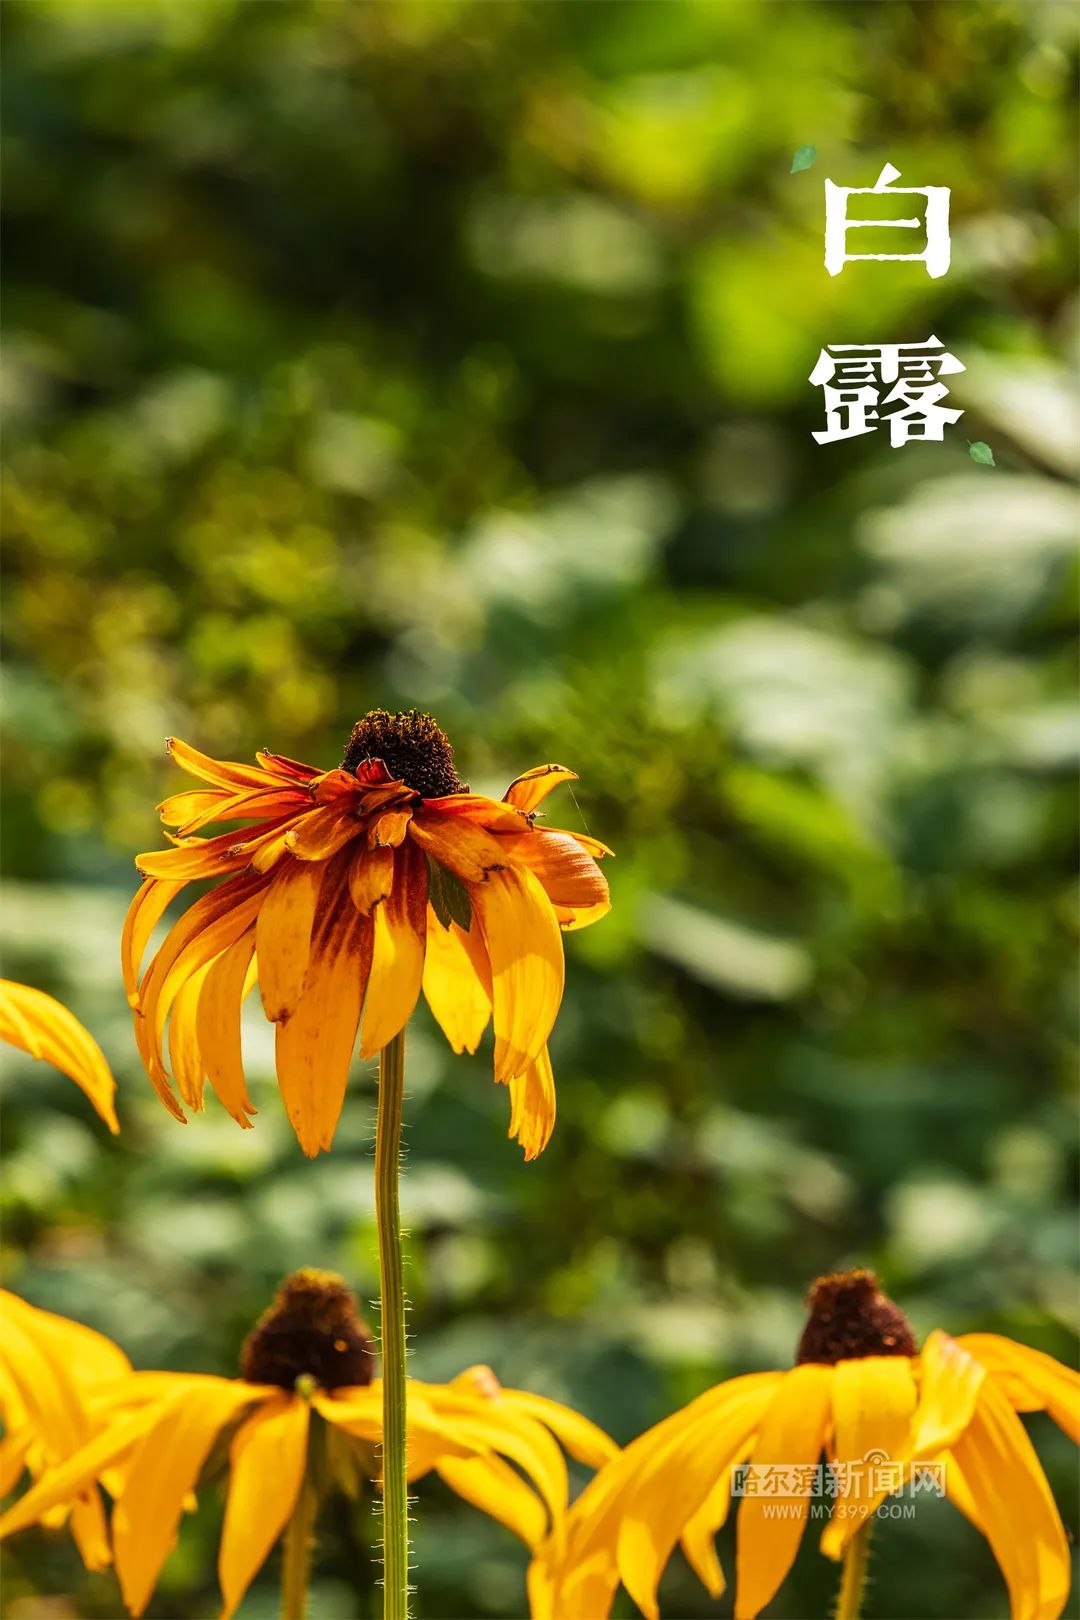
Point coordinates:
[(456, 355)]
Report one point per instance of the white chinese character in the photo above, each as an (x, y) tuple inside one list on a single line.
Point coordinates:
[(853, 377), (937, 251)]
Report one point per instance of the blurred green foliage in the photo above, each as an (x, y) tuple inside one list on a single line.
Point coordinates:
[(456, 354)]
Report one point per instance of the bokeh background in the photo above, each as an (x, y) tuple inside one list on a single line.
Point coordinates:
[(456, 354)]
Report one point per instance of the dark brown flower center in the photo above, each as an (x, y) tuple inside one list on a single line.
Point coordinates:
[(310, 1331), (412, 747), (850, 1317)]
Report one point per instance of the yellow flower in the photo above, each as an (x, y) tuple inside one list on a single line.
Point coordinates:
[(864, 1395), (36, 1023), (308, 1391), (51, 1373), (381, 876)]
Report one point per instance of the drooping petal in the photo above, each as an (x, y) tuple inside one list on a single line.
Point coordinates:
[(163, 1472), (397, 965), (568, 873), (458, 1000), (698, 1540), (1015, 1508), (90, 1530), (185, 1054), (42, 1027), (1030, 1380), (792, 1433), (283, 935), (218, 1024), (950, 1381), (266, 1462), (874, 1400), (532, 1107), (179, 808), (61, 1485), (493, 1486), (371, 877), (676, 1477), (321, 833), (463, 846), (144, 914), (518, 927), (262, 804), (527, 791), (315, 1046), (282, 765), (584, 1440), (200, 857)]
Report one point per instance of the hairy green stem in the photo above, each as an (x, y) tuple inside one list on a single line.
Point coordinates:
[(853, 1580), (392, 1321)]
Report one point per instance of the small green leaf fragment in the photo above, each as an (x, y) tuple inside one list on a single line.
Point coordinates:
[(981, 453), (804, 158), (448, 895)]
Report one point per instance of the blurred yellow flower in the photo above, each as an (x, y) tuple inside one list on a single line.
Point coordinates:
[(52, 1375), (306, 1414), (43, 1027), (862, 1394), (353, 889)]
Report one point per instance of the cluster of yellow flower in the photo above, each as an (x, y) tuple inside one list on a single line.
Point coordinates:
[(348, 893)]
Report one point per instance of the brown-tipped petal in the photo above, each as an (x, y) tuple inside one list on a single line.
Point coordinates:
[(459, 1002), (282, 765), (199, 858), (321, 833), (387, 829), (371, 877), (398, 957), (143, 916), (570, 918), (519, 929), (569, 874), (463, 847), (283, 935), (219, 1027), (526, 792), (315, 1046)]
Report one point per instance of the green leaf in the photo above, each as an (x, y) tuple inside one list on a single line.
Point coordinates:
[(804, 158), (448, 895), (981, 453)]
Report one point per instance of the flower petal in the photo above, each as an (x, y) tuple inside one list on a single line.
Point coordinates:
[(585, 1442), (676, 1476), (283, 935), (266, 1460), (223, 773), (527, 791), (397, 964), (315, 1046), (371, 877), (792, 1433), (321, 833), (458, 1000), (143, 916), (873, 1402), (185, 1054), (164, 1470), (1015, 1509), (568, 873), (465, 848), (532, 1107), (42, 1027), (518, 927), (1031, 1381), (218, 1026), (493, 1486), (62, 1484)]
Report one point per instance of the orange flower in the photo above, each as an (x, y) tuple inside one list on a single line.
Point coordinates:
[(35, 1023), (348, 891)]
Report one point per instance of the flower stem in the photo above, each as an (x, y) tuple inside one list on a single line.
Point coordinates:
[(853, 1579), (296, 1564), (392, 1319)]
